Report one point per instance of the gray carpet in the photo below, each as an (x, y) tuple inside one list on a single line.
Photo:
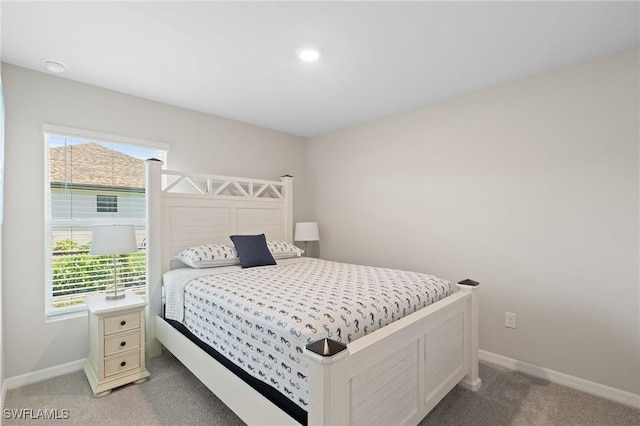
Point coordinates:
[(173, 396)]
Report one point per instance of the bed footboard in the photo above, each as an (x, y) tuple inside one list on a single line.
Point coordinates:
[(399, 373)]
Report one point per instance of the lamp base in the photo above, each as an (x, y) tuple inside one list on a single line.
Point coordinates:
[(114, 296)]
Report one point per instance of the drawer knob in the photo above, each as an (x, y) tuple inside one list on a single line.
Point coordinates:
[(123, 363), (123, 343), (123, 322)]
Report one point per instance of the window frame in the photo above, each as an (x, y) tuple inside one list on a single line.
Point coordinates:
[(162, 148)]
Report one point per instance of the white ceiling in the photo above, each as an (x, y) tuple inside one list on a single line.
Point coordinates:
[(237, 59)]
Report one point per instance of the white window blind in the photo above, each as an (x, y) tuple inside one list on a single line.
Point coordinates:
[(81, 173)]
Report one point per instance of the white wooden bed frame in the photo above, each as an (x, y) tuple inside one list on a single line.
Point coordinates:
[(394, 375)]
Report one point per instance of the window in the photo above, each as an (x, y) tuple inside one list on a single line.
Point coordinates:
[(107, 203), (92, 179)]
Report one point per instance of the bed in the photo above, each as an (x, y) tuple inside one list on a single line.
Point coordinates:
[(394, 373)]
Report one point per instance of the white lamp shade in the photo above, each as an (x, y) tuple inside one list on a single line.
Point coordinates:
[(113, 239), (306, 231)]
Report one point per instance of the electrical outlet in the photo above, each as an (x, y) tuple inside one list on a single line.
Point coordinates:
[(510, 320)]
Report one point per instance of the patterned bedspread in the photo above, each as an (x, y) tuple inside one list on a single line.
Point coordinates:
[(262, 318)]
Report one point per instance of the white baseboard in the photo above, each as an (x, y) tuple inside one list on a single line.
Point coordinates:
[(40, 375), (592, 388)]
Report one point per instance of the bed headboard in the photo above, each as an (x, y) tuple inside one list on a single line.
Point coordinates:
[(187, 209)]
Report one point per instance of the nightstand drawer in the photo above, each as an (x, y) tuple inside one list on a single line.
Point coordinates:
[(119, 364), (121, 342), (122, 322)]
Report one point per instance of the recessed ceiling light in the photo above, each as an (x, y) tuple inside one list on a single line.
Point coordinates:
[(54, 66), (308, 54)]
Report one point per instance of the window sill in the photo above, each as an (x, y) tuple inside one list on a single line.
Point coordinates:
[(66, 315)]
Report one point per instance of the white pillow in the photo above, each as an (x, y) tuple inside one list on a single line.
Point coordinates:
[(209, 256), (283, 249)]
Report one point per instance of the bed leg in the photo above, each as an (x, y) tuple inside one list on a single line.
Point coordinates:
[(328, 393), (472, 379)]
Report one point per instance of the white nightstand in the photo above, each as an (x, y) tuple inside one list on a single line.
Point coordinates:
[(116, 342)]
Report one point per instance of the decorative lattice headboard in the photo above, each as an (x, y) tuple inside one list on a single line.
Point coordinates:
[(187, 209)]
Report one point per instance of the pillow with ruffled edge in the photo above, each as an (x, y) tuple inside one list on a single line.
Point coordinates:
[(283, 250), (253, 250), (209, 256)]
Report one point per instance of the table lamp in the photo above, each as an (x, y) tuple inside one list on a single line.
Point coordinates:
[(306, 231), (113, 240)]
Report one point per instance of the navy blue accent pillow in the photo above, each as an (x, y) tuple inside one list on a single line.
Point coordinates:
[(252, 250)]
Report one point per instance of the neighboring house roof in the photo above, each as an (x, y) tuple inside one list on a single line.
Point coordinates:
[(95, 166)]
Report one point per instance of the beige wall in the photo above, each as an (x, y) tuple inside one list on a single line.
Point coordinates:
[(530, 187), (199, 142)]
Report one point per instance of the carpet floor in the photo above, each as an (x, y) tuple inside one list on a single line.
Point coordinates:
[(173, 396)]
